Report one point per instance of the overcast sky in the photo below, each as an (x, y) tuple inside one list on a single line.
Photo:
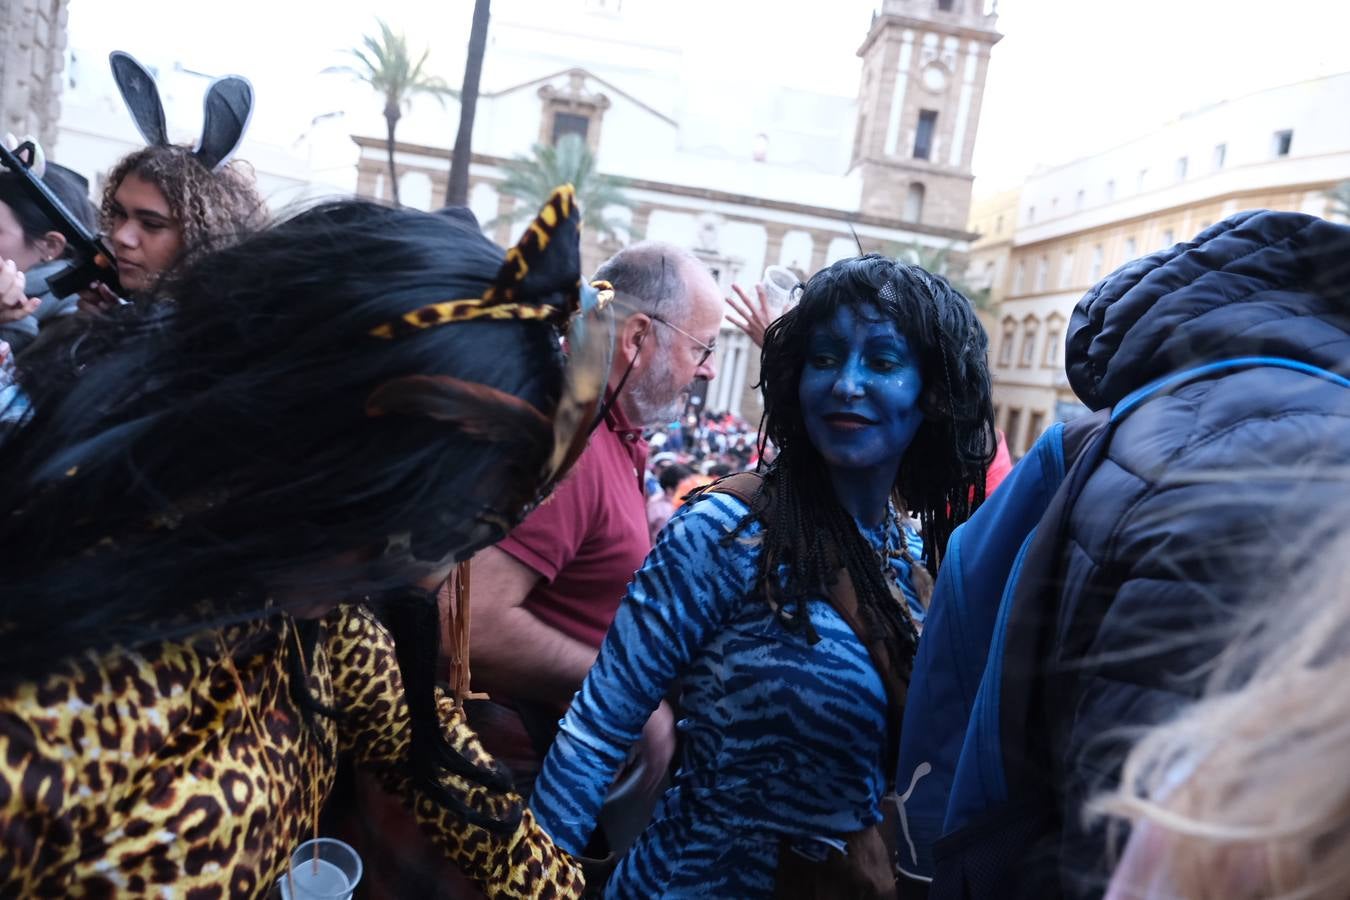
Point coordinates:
[(1070, 76)]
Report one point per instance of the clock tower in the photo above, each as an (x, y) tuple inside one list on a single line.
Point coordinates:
[(924, 66)]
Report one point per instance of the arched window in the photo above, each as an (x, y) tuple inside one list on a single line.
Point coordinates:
[(914, 202), (414, 190), (1031, 327), (1066, 269), (1005, 348), (1054, 342), (1012, 431)]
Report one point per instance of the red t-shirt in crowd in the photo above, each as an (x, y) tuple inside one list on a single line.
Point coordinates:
[(590, 536), (999, 468)]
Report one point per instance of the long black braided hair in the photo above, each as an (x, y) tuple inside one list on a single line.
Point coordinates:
[(808, 536)]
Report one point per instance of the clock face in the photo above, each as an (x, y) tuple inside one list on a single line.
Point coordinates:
[(935, 78)]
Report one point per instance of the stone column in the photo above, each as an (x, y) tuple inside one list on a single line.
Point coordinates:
[(751, 403), (32, 57), (505, 203), (366, 173), (738, 377), (820, 245), (638, 225), (773, 249), (440, 181)]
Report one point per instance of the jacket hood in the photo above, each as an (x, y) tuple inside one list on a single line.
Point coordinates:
[(35, 279), (1259, 283)]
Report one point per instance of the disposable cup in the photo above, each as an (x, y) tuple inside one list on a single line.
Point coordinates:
[(781, 288), (331, 874)]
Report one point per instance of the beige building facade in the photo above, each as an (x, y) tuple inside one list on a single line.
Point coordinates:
[(759, 176), (993, 218), (1278, 149), (32, 57)]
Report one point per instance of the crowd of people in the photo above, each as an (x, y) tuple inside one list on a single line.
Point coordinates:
[(351, 523), (708, 439)]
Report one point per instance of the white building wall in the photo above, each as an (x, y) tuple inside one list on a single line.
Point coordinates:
[(505, 126), (745, 243), (1320, 151), (415, 190), (633, 141), (840, 248), (797, 247), (483, 202), (676, 227)]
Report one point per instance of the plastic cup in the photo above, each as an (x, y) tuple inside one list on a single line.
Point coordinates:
[(331, 875), (781, 287)]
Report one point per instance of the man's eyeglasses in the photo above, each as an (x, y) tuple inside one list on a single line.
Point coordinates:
[(705, 350)]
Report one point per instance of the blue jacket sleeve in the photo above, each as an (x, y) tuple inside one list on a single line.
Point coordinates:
[(682, 596)]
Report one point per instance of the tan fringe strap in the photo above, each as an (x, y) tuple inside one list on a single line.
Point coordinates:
[(460, 611), (304, 669)]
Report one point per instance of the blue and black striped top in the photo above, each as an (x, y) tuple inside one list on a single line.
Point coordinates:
[(779, 737)]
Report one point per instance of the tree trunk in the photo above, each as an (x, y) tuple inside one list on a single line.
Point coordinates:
[(391, 117), (457, 190)]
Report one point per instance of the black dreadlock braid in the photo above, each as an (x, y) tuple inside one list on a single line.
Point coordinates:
[(413, 619), (808, 536), (796, 503), (953, 448)]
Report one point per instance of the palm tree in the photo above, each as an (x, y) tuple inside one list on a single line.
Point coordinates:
[(938, 261), (1340, 200), (457, 188), (530, 179), (385, 64)]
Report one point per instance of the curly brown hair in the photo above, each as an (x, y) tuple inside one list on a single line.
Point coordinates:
[(214, 208)]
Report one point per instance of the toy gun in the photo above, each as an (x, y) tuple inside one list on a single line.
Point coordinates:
[(91, 260)]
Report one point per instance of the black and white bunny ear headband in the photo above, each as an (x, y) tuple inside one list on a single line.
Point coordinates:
[(227, 109)]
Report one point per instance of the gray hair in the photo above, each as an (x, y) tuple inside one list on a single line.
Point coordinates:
[(650, 276)]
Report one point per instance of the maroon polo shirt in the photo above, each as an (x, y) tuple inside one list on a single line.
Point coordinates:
[(589, 537)]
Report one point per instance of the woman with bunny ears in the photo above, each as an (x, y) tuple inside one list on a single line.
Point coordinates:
[(161, 206), (166, 203)]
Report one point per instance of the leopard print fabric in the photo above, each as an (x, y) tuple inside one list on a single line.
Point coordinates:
[(149, 773)]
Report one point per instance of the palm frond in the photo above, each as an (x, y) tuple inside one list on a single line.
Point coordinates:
[(938, 261), (1340, 200), (385, 63), (531, 179)]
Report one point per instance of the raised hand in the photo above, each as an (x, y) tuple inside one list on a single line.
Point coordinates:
[(751, 316), (14, 303)]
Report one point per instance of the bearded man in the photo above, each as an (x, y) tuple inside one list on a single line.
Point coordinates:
[(544, 597)]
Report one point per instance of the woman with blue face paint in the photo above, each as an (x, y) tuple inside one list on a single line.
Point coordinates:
[(782, 608)]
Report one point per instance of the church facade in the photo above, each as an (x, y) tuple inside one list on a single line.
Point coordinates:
[(747, 176)]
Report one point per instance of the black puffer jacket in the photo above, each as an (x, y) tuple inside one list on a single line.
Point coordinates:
[(1210, 497)]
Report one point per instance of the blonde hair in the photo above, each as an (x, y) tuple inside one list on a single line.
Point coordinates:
[(1247, 792)]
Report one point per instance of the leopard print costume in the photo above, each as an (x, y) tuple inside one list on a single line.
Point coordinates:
[(149, 773)]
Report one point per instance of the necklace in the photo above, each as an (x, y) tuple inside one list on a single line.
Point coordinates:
[(894, 547)]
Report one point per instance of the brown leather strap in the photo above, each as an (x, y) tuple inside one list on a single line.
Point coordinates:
[(844, 599), (744, 486)]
